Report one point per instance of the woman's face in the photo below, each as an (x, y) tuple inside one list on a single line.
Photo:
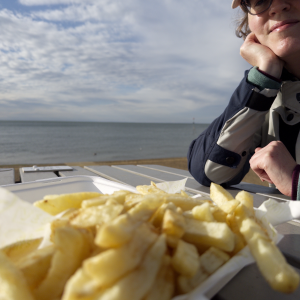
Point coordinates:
[(279, 28)]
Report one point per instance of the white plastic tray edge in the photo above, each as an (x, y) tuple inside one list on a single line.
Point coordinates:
[(35, 190)]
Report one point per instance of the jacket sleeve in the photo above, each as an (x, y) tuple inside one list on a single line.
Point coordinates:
[(221, 153)]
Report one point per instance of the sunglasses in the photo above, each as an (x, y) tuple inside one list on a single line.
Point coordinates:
[(256, 7)]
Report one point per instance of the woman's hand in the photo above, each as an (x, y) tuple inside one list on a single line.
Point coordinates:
[(274, 164), (261, 56)]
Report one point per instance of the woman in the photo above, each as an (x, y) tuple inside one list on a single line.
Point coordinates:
[(260, 126)]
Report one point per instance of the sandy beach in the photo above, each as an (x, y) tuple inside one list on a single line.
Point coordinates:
[(177, 162)]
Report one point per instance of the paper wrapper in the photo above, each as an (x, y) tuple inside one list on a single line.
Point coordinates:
[(277, 213), (172, 187), (20, 220)]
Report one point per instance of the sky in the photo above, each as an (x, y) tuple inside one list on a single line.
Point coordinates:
[(168, 61)]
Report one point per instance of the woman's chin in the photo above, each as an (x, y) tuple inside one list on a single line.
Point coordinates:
[(287, 48)]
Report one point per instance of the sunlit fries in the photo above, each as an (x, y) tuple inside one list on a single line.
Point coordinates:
[(21, 249), (36, 265), (185, 259), (72, 247), (163, 286), (210, 261), (110, 265), (271, 262), (12, 284), (149, 189), (146, 246), (136, 284), (55, 204)]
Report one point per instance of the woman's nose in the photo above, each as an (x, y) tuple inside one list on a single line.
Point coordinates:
[(278, 6)]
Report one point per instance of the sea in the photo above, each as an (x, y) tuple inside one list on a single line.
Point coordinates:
[(42, 142)]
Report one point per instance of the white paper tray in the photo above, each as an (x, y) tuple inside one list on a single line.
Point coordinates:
[(33, 191), (36, 190)]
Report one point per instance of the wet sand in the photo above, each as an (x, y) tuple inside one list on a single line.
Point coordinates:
[(177, 162)]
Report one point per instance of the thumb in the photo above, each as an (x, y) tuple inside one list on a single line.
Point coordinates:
[(251, 37)]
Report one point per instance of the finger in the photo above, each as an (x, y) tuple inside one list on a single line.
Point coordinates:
[(257, 165), (267, 178), (255, 159), (252, 38), (257, 149), (256, 39), (263, 176)]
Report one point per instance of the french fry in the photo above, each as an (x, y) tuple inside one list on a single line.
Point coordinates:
[(219, 195), (245, 199), (209, 262), (239, 244), (81, 287), (229, 206), (117, 232), (218, 214), (120, 196), (272, 264), (141, 279), (188, 214), (20, 249), (184, 194), (152, 183), (72, 248), (132, 199), (173, 223), (203, 212), (110, 265), (12, 282), (234, 225), (95, 201), (185, 203), (241, 213), (164, 284), (145, 209), (172, 241), (158, 216), (209, 234), (213, 259), (185, 260), (187, 284), (36, 265), (149, 189), (55, 204), (58, 223), (96, 215)]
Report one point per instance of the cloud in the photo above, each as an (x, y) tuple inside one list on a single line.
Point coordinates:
[(130, 60), (52, 2)]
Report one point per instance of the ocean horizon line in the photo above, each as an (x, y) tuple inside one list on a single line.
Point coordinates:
[(106, 122)]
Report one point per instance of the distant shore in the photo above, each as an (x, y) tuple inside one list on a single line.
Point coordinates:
[(177, 162)]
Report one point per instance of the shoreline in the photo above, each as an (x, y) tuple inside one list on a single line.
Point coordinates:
[(176, 162)]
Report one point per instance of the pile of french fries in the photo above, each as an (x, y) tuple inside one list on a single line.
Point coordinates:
[(151, 245)]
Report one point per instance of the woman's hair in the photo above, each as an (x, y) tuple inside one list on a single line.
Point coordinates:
[(243, 29)]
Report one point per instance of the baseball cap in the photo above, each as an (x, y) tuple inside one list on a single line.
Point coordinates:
[(235, 3)]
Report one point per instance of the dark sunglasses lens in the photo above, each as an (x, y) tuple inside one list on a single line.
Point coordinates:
[(256, 7)]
